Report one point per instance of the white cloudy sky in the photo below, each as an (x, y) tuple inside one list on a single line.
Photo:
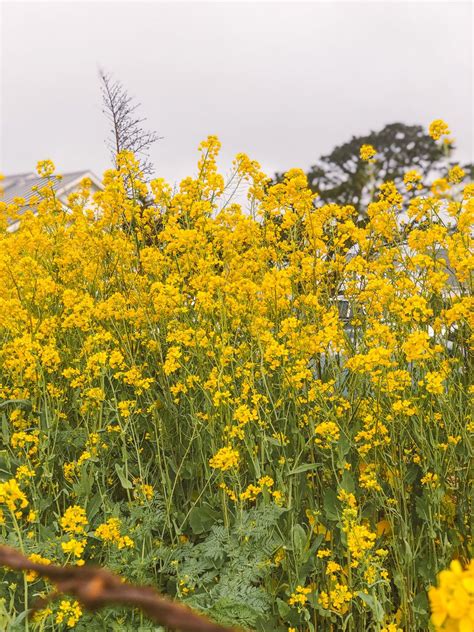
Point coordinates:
[(284, 82)]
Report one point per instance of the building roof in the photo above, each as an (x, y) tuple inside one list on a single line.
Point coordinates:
[(21, 185)]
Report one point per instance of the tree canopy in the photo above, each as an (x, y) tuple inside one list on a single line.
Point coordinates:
[(342, 177)]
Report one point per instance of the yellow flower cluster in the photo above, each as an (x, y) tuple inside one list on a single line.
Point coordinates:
[(69, 612), (13, 497), (74, 520), (456, 174), (367, 152), (438, 128), (300, 596), (327, 432), (38, 559), (110, 532), (412, 179), (336, 599), (181, 361), (225, 459), (452, 601), (360, 539), (253, 491), (45, 168), (75, 548)]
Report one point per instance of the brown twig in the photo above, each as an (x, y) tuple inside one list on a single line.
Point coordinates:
[(95, 587)]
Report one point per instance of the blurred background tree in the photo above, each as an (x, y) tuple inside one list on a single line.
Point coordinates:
[(342, 177)]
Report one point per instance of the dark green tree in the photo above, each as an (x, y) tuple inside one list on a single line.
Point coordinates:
[(342, 177)]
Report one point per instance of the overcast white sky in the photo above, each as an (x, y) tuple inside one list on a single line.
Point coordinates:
[(284, 82)]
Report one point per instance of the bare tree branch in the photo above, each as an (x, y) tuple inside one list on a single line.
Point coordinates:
[(96, 588), (126, 131)]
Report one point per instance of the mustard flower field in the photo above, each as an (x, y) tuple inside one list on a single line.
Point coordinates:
[(255, 402)]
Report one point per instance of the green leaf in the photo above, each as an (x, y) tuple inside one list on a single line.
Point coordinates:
[(413, 471), (46, 533), (283, 608), (17, 620), (420, 604), (83, 487), (93, 506), (5, 463), (331, 505), (298, 537), (5, 430), (20, 403), (317, 541), (44, 503), (202, 519), (304, 468), (126, 484), (347, 482), (423, 508), (374, 605), (343, 447)]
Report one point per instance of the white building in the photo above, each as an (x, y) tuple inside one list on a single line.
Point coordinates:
[(25, 186)]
